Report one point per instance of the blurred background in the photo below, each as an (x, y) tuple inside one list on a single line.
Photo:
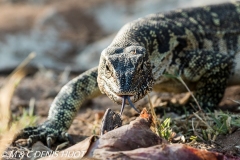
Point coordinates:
[(69, 33), (67, 37)]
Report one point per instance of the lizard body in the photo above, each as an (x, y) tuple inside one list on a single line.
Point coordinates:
[(199, 44)]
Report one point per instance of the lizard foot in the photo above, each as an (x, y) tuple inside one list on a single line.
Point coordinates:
[(48, 132)]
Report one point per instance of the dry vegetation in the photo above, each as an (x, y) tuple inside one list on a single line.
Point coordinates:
[(11, 125)]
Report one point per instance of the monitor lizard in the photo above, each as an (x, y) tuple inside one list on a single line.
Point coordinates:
[(201, 45)]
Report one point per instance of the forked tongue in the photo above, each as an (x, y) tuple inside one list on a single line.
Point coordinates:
[(130, 103)]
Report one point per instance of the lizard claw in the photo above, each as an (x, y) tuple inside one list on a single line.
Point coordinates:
[(69, 138), (50, 141), (29, 142), (48, 132)]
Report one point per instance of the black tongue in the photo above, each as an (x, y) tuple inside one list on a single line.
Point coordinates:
[(130, 103), (123, 104)]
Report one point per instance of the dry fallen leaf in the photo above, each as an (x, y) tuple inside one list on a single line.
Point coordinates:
[(137, 141)]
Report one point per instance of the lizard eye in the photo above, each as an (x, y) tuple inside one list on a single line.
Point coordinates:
[(133, 51)]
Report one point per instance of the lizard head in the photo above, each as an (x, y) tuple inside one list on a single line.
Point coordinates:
[(125, 72)]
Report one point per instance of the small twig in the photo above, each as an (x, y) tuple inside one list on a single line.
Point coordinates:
[(203, 121), (233, 100), (65, 75), (23, 64), (31, 106), (194, 131), (156, 122), (181, 80), (6, 92)]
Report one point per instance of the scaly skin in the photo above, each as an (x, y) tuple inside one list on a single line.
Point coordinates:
[(201, 45), (63, 109)]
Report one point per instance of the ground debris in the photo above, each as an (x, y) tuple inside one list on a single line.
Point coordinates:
[(137, 141)]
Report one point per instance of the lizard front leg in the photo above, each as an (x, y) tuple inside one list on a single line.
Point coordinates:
[(63, 109), (207, 72), (210, 89), (210, 71)]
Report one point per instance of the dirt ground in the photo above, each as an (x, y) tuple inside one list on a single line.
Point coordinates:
[(44, 86)]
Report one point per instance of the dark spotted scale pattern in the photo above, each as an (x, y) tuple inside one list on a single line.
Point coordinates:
[(201, 45)]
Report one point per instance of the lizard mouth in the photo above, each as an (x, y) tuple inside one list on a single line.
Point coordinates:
[(119, 98)]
